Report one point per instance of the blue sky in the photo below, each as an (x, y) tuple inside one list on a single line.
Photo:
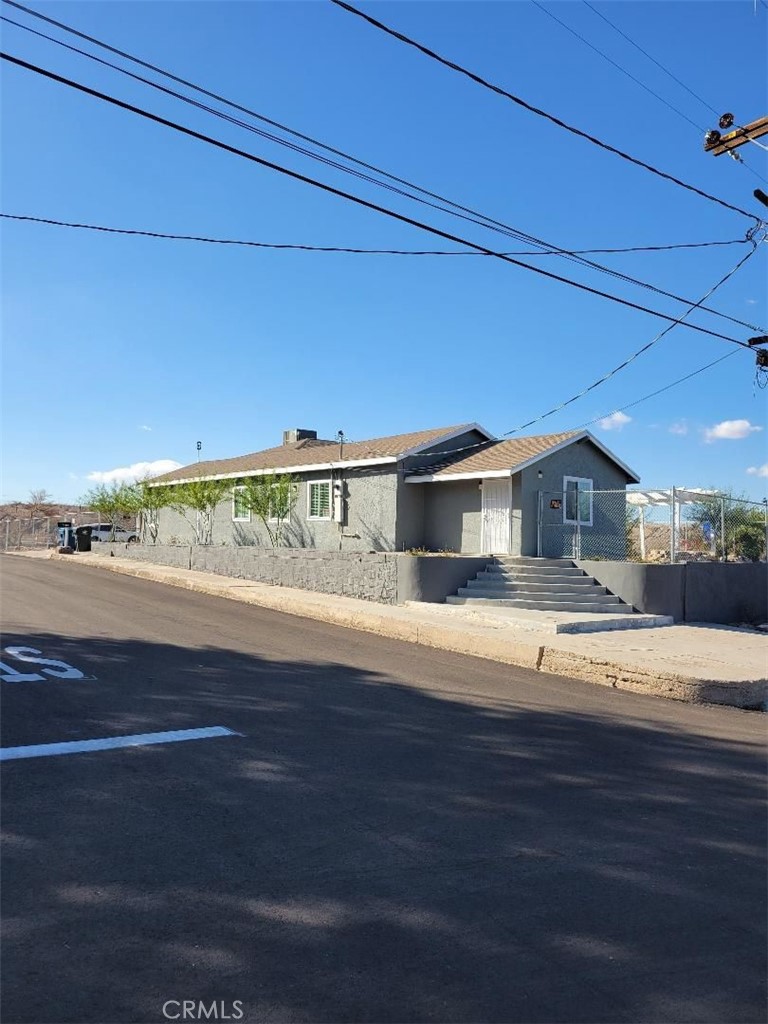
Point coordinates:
[(120, 350)]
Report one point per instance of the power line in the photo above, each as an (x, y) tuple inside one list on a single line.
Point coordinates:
[(474, 217), (296, 175), (348, 249), (650, 58), (644, 348), (666, 71), (613, 63), (660, 391), (536, 110), (484, 221)]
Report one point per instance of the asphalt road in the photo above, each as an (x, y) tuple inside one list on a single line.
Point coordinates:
[(398, 834)]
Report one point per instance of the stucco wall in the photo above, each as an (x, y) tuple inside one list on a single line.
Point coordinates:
[(436, 452), (717, 592), (371, 508), (651, 589), (410, 516), (580, 459), (726, 592), (432, 578), (517, 515), (452, 515)]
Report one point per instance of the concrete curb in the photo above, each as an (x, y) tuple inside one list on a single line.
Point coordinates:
[(474, 640)]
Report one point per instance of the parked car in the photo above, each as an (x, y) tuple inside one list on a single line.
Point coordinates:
[(103, 531)]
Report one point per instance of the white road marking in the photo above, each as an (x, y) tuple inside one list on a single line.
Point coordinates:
[(9, 674), (113, 742), (57, 669)]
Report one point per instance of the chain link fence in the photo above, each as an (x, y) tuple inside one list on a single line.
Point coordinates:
[(23, 534), (651, 525)]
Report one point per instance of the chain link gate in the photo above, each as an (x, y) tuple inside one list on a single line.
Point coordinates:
[(582, 523)]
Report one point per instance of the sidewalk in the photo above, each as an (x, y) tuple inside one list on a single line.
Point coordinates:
[(702, 664)]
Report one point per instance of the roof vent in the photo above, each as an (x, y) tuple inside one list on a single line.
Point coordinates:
[(297, 434)]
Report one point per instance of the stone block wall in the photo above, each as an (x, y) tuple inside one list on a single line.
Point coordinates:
[(370, 576), (386, 577)]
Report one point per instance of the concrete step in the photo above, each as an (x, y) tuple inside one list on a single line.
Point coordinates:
[(537, 579), (535, 570), (543, 606), (526, 560), (541, 596), (513, 587)]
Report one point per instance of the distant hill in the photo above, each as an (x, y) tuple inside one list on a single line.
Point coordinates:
[(27, 510)]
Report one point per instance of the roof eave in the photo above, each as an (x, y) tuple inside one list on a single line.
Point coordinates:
[(581, 435), (480, 474), (317, 467)]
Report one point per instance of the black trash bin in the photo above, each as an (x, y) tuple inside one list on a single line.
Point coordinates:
[(83, 538)]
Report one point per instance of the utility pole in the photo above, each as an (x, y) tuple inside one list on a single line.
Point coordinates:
[(717, 144)]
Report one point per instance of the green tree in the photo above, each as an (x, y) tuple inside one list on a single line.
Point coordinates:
[(201, 498), (271, 498), (151, 499), (112, 502), (738, 524)]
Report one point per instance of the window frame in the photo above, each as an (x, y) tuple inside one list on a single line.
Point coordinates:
[(235, 518), (578, 521), (319, 483)]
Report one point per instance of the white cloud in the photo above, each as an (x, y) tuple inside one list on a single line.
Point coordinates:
[(729, 430), (758, 470), (681, 428), (127, 474), (145, 427), (751, 302), (615, 421)]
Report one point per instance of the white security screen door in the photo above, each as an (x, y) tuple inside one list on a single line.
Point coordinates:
[(496, 511)]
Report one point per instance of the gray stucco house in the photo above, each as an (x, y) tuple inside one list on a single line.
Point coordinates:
[(454, 489)]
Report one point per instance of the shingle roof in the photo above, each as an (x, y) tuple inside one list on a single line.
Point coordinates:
[(310, 453), (497, 455)]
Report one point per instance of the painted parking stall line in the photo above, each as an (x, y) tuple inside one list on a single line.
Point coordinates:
[(114, 742)]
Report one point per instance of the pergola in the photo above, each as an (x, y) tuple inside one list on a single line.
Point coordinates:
[(672, 499)]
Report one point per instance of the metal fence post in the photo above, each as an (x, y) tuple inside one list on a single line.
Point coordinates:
[(642, 533), (765, 518), (723, 538), (539, 506), (673, 528), (7, 532)]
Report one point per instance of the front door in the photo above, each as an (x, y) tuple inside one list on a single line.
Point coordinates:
[(497, 499)]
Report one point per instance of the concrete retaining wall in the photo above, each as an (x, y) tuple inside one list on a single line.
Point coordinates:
[(726, 592), (381, 576), (432, 577), (720, 592)]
